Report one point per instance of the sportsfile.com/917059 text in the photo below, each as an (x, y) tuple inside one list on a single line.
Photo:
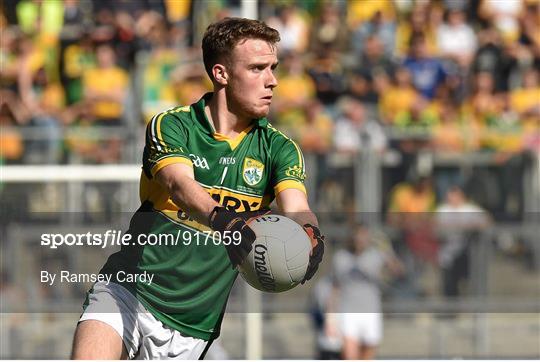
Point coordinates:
[(117, 238)]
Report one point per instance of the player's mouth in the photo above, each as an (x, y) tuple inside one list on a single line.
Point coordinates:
[(268, 99)]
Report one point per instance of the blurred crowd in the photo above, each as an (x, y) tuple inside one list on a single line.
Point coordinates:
[(80, 78)]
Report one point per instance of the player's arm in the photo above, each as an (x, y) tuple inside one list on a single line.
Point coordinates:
[(179, 180), (288, 175), (293, 203)]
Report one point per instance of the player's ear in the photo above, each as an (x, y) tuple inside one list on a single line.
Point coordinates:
[(220, 74)]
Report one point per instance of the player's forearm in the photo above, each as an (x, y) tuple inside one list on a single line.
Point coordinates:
[(192, 198), (293, 203), (186, 192), (303, 217)]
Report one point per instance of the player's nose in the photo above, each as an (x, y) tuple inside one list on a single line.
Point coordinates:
[(271, 81)]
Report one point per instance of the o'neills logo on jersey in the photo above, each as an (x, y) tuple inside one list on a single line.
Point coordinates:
[(227, 161), (252, 171), (261, 268), (199, 161)]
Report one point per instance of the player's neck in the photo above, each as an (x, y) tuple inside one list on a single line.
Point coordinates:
[(223, 120)]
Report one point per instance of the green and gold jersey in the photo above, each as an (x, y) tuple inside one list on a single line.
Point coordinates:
[(192, 279)]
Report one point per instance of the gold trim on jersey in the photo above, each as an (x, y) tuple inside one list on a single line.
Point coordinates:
[(158, 129), (289, 184), (169, 161), (181, 109), (233, 143)]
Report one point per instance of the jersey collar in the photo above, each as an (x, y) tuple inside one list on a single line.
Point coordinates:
[(199, 115)]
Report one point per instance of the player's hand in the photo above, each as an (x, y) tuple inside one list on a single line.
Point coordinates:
[(222, 220), (317, 252)]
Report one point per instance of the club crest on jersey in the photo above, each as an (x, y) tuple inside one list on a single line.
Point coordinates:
[(252, 171)]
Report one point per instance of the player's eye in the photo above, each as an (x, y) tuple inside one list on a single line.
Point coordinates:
[(258, 68)]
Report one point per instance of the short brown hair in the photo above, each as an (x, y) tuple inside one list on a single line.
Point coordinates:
[(221, 37)]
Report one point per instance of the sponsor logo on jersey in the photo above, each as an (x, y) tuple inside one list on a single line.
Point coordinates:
[(199, 161), (252, 171), (227, 160), (236, 202), (262, 269)]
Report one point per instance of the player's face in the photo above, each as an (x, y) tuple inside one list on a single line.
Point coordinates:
[(251, 78)]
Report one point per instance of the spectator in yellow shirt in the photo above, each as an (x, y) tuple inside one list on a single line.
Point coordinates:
[(12, 114), (104, 90), (482, 104), (414, 197), (296, 89), (105, 87), (417, 22), (448, 135), (399, 98), (410, 209), (315, 136), (359, 12), (526, 99)]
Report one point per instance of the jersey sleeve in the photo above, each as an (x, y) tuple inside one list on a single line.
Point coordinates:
[(166, 140), (289, 171)]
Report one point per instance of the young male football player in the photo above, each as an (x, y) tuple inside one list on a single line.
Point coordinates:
[(210, 166)]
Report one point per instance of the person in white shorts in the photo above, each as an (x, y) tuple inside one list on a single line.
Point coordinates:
[(144, 336), (357, 273), (365, 328)]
